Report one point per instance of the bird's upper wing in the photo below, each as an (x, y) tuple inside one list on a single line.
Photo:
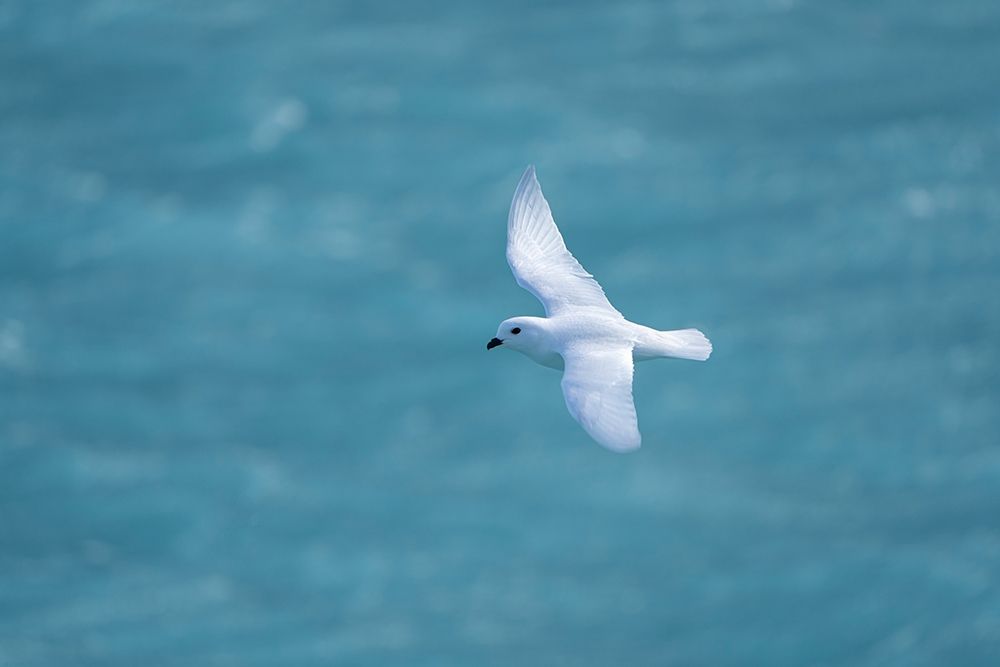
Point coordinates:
[(539, 259), (597, 385)]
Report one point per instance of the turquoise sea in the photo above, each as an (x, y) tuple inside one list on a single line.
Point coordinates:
[(251, 253)]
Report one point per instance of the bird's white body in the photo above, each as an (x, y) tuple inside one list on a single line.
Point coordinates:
[(583, 334), (560, 332)]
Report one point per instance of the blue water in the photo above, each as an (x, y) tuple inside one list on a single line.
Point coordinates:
[(251, 252)]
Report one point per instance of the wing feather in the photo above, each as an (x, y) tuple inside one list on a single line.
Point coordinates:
[(539, 259), (597, 386)]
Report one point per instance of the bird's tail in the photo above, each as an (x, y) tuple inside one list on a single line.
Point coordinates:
[(684, 344)]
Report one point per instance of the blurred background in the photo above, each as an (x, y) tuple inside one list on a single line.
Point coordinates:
[(251, 253)]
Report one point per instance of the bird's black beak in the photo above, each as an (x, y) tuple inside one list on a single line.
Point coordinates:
[(493, 343)]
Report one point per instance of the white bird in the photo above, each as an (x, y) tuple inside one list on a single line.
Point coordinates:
[(583, 334)]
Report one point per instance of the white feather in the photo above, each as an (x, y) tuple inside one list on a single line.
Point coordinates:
[(539, 259), (597, 386)]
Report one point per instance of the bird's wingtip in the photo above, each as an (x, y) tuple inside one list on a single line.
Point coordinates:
[(527, 183)]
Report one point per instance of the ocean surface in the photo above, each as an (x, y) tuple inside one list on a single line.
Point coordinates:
[(251, 253)]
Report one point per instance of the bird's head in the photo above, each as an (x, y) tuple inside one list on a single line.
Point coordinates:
[(523, 334)]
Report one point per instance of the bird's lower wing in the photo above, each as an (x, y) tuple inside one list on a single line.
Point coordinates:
[(597, 385), (539, 259)]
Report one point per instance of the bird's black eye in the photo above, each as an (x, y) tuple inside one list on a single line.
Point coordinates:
[(516, 330)]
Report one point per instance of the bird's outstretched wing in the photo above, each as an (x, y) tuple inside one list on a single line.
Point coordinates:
[(539, 259), (597, 385)]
